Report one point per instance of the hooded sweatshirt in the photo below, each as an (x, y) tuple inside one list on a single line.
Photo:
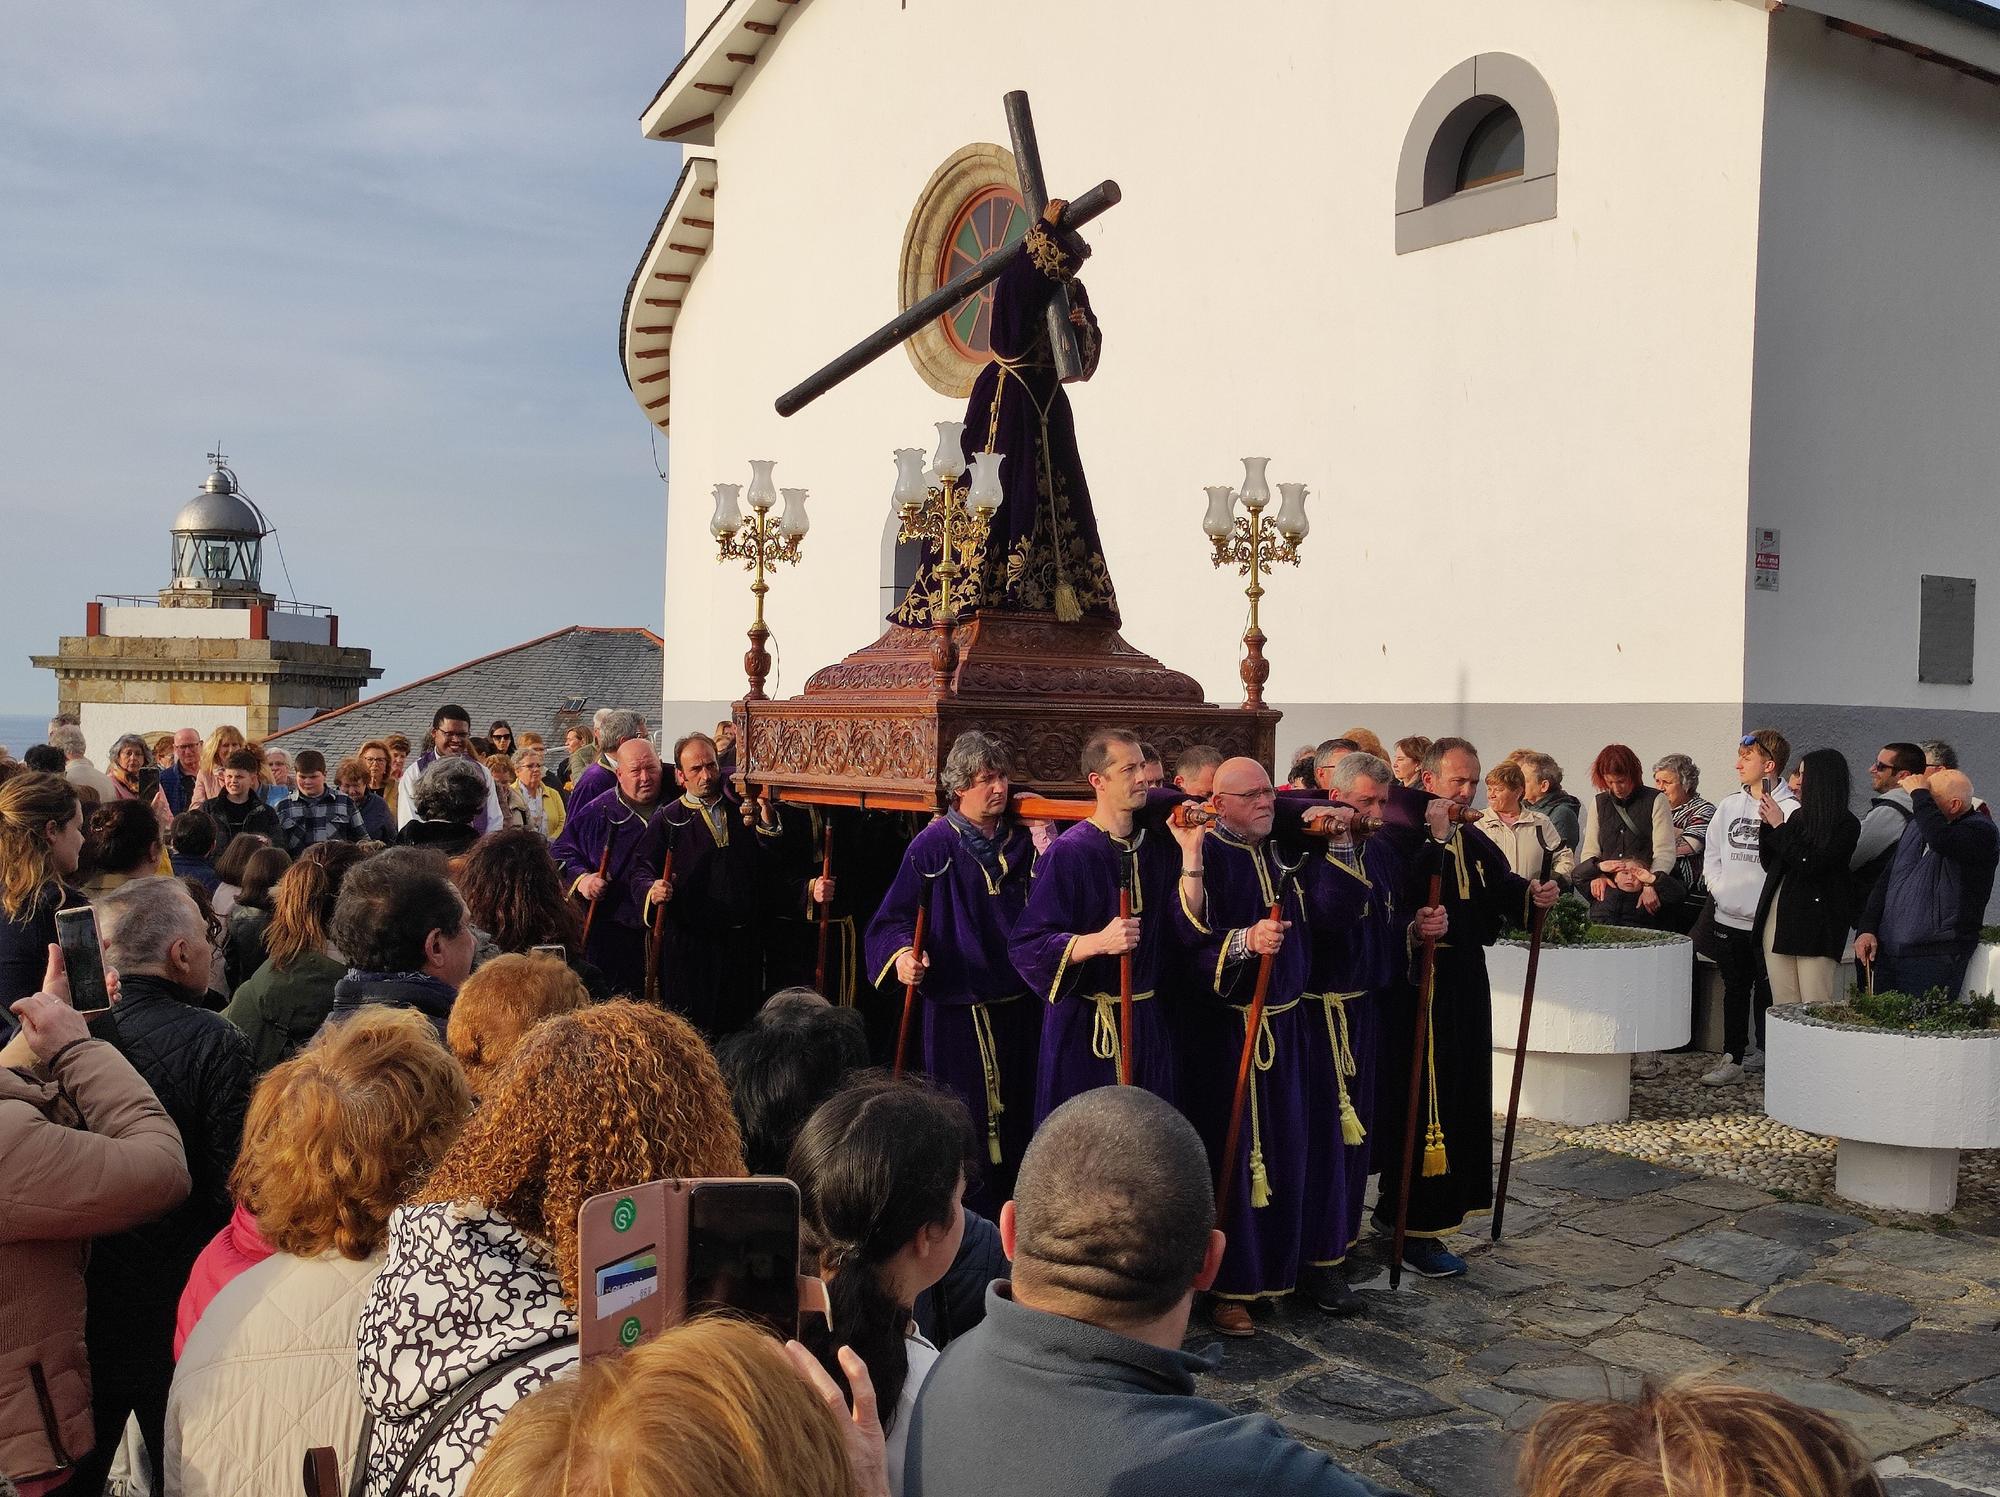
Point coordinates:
[(1729, 862), (462, 1288)]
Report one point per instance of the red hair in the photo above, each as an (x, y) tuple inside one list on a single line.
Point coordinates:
[(1616, 759)]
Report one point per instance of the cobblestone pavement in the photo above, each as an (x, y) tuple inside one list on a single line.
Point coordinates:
[(1614, 1269)]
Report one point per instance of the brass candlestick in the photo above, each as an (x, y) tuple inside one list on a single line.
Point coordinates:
[(1253, 543), (953, 511), (761, 542)]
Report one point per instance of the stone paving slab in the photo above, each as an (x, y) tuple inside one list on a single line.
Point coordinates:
[(1740, 1255), (1800, 1225), (1753, 1339), (1645, 1223), (1928, 1364), (1609, 1177), (1851, 1312)]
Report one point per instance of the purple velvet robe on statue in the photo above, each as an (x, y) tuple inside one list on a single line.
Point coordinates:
[(1042, 553), (1267, 1183), (976, 1007), (1076, 894), (713, 941), (617, 944)]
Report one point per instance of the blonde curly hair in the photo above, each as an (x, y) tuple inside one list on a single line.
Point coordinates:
[(600, 1099), (337, 1136), (501, 1002)]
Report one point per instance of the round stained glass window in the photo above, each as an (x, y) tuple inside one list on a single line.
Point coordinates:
[(991, 218)]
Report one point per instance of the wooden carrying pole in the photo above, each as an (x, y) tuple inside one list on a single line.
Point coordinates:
[(1234, 1135), (1125, 994), (825, 912), (1426, 978), (658, 934), (910, 991), (1535, 922), (603, 862)]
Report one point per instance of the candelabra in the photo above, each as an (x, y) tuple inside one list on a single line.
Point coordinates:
[(1253, 543), (762, 543), (954, 516)]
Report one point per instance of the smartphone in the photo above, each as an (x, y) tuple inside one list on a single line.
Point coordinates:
[(558, 952), (1770, 784), (743, 1251), (83, 958)]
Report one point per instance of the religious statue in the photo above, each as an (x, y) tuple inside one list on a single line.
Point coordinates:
[(1041, 553)]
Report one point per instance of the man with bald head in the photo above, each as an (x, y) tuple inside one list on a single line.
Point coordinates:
[(1923, 915), (1075, 1381), (1480, 896), (1226, 929), (716, 926), (598, 852)]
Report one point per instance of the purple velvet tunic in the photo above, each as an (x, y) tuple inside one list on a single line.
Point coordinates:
[(617, 944), (713, 934), (1481, 895), (1076, 894), (593, 782), (1273, 1152), (981, 1027)]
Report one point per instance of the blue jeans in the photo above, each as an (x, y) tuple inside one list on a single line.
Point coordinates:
[(1916, 973)]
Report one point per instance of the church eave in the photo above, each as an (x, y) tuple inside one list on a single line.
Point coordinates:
[(676, 253), (699, 91)]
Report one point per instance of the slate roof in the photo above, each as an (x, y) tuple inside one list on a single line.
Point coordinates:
[(531, 685)]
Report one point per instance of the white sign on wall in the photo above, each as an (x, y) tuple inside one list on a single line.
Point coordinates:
[(1766, 558)]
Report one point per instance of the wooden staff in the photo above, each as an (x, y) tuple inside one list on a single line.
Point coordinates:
[(659, 934), (1426, 977), (1535, 921), (910, 990), (603, 862), (1125, 994), (825, 912), (1234, 1135)]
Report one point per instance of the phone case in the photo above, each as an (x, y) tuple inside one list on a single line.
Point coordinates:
[(633, 1250)]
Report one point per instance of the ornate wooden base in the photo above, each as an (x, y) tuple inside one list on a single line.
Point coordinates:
[(873, 730)]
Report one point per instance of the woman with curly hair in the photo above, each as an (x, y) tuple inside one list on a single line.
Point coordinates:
[(500, 1003), (514, 894), (483, 1271), (283, 1003), (336, 1138)]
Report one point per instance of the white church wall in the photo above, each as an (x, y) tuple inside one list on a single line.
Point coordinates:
[(1510, 440), (1875, 449), (103, 723)]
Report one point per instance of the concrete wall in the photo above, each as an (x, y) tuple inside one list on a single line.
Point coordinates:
[(1874, 446), (1451, 409), (103, 722), (214, 623)]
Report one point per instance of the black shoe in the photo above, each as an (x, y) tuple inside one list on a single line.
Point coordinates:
[(1428, 1257), (1328, 1288)]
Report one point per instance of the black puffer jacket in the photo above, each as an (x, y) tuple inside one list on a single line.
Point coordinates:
[(198, 1065)]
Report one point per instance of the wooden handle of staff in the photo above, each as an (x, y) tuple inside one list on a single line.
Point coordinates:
[(1426, 975), (659, 934), (603, 862), (825, 914), (1535, 923), (1234, 1135), (1124, 997), (910, 992)]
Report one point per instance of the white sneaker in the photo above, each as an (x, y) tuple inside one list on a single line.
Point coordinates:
[(1648, 1066), (1753, 1062), (1723, 1074)]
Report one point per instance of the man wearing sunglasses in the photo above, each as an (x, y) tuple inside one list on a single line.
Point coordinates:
[(1888, 814)]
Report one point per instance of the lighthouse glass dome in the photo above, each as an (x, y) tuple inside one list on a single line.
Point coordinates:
[(218, 539)]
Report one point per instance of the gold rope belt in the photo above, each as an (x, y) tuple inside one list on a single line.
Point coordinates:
[(989, 1064), (1263, 1055), (1104, 1038), (847, 960), (1340, 1038)]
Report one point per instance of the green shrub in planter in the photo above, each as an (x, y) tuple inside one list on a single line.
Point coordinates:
[(1934, 1010), (1568, 923)]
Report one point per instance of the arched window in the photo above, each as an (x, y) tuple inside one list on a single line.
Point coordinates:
[(992, 217), (1479, 156), (970, 206)]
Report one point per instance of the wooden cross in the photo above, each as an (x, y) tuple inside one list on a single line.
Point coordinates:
[(1034, 196)]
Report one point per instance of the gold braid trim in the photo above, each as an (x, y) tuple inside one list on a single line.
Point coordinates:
[(1338, 1036), (1047, 255), (989, 1065)]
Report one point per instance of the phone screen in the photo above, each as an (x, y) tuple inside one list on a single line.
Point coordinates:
[(555, 951), (743, 1251), (83, 958)]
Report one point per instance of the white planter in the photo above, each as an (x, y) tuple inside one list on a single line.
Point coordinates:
[(1983, 975), (1595, 1006), (1901, 1104)]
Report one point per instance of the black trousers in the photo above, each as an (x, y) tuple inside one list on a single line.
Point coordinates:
[(131, 1349), (1739, 957)]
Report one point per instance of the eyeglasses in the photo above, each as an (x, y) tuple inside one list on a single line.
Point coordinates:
[(1881, 768)]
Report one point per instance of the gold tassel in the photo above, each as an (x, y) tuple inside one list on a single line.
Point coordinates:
[(1351, 1131), (1260, 1182), (1335, 1006), (1434, 1160), (993, 1139), (1068, 610)]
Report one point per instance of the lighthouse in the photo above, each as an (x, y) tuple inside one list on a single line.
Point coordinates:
[(211, 648)]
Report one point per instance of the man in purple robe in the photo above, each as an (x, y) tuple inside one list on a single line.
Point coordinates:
[(1227, 932), (970, 871), (1042, 552), (1481, 895), (614, 727), (712, 932), (1070, 937), (598, 853), (1356, 917)]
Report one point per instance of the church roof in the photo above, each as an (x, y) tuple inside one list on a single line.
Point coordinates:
[(653, 299), (540, 686), (697, 92)]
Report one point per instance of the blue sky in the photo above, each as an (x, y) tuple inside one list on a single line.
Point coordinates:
[(378, 249)]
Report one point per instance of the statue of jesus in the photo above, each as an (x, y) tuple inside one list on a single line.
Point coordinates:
[(1042, 553)]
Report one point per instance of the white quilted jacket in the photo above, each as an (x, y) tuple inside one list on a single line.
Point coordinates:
[(268, 1372)]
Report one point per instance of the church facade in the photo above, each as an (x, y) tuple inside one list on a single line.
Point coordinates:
[(1638, 355)]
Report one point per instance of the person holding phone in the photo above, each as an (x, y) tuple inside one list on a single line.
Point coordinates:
[(1802, 914), (484, 1270), (1732, 867), (86, 1150), (881, 1169), (41, 843)]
